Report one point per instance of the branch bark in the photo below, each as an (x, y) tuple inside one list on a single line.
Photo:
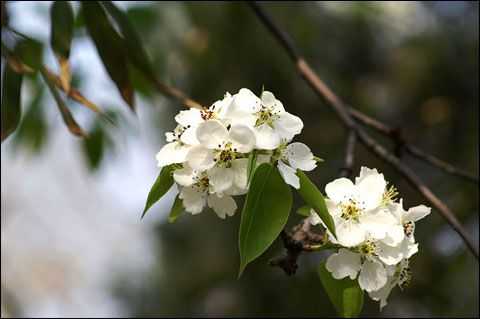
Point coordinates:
[(342, 112)]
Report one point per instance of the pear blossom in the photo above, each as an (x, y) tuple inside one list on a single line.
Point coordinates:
[(295, 156), (267, 116), (175, 151), (358, 210)]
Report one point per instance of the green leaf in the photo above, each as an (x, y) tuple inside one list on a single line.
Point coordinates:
[(177, 210), (62, 19), (135, 49), (162, 184), (67, 116), (110, 47), (313, 197), (94, 147), (264, 214), (30, 52), (304, 210), (62, 22), (11, 100), (252, 163), (345, 294)]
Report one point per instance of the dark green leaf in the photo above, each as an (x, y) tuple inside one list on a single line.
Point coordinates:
[(313, 197), (67, 116), (345, 294), (110, 47), (162, 184), (252, 163), (136, 51), (30, 52), (177, 210), (11, 100), (94, 146), (304, 210), (61, 28), (264, 214)]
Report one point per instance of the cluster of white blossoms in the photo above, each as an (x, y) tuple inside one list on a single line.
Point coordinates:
[(374, 233), (210, 149)]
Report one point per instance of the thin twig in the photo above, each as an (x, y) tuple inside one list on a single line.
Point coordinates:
[(411, 149), (341, 110), (347, 169)]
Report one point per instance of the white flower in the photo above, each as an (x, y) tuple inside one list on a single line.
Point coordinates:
[(398, 275), (358, 209), (175, 151), (196, 194), (295, 156), (408, 218), (346, 263), (271, 123), (220, 153)]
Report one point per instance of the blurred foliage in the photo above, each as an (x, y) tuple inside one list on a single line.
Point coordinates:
[(416, 72)]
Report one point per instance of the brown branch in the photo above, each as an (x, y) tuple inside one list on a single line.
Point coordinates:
[(341, 110), (411, 149), (347, 169)]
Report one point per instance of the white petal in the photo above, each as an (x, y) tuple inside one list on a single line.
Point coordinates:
[(200, 158), (170, 137), (350, 233), (239, 168), (382, 294), (288, 174), (417, 213), (411, 250), (189, 136), (343, 264), (193, 200), (288, 125), (314, 219), (184, 176), (242, 138), (340, 189), (299, 156), (370, 190), (172, 153), (390, 255), (373, 276), (394, 236), (365, 172), (220, 179), (190, 117), (211, 134), (266, 137), (377, 223), (268, 99), (241, 109), (333, 208), (223, 206), (396, 209)]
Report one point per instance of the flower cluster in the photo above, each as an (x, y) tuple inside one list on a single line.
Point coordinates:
[(374, 233), (210, 149)]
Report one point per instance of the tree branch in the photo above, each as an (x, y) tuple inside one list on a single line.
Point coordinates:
[(341, 110)]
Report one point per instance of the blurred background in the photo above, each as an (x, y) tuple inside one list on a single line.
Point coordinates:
[(72, 242)]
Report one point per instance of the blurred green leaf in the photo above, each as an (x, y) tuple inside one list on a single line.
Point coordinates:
[(67, 116), (177, 210), (30, 52), (304, 210), (345, 294), (110, 47), (62, 21), (264, 214), (313, 197), (94, 146), (162, 184), (11, 101), (135, 49)]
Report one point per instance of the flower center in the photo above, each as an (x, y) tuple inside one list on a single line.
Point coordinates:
[(266, 116), (202, 183), (208, 114), (389, 195), (350, 210), (225, 155), (408, 228), (368, 248)]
